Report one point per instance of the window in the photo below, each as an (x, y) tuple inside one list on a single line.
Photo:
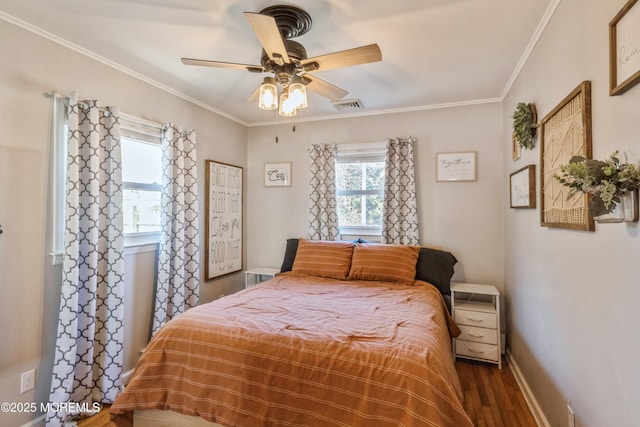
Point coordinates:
[(360, 188), (141, 176), (359, 193), (141, 180)]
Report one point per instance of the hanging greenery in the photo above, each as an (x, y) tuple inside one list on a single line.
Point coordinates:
[(524, 125), (605, 180)]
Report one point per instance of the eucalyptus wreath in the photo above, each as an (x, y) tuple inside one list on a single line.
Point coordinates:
[(524, 125)]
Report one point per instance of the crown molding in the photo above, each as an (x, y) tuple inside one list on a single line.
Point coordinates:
[(92, 55), (379, 112), (532, 43)]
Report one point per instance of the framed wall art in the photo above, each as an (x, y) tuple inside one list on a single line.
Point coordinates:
[(515, 148), (223, 227), (565, 132), (456, 166), (277, 174), (624, 49), (522, 189)]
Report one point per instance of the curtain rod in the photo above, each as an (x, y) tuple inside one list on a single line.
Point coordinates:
[(124, 116), (363, 146), (409, 138), (56, 95), (317, 146)]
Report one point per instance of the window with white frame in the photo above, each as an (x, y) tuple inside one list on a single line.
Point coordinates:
[(141, 179), (360, 188), (141, 176)]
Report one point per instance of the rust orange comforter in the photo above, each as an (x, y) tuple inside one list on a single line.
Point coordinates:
[(305, 351)]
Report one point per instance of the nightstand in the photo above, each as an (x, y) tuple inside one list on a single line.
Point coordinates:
[(256, 275), (476, 310)]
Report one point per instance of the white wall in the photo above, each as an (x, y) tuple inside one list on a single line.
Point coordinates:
[(573, 294), (32, 66), (462, 217)]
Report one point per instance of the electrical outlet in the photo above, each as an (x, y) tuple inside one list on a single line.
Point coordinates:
[(571, 418), (27, 381)]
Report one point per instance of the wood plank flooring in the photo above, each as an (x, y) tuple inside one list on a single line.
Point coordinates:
[(492, 398), (101, 419)]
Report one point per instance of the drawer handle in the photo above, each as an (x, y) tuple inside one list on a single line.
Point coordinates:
[(475, 319), (476, 351), (476, 335)]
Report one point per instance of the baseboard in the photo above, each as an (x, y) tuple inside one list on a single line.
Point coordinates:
[(39, 422), (536, 411), (126, 376)]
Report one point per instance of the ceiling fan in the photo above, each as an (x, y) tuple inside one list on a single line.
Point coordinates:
[(287, 60)]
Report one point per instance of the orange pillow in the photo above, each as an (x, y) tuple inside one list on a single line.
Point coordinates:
[(389, 263), (323, 258)]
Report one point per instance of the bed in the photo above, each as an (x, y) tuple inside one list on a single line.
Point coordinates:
[(346, 337)]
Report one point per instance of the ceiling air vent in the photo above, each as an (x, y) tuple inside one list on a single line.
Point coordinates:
[(348, 104)]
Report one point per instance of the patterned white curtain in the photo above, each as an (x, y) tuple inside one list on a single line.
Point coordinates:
[(323, 212), (400, 206), (89, 348), (178, 284)]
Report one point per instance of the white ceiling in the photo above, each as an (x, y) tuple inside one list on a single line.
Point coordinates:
[(434, 52)]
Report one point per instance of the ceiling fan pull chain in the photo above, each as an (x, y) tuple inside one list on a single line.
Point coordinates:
[(277, 126)]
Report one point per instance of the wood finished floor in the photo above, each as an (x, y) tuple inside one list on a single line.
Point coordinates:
[(491, 398)]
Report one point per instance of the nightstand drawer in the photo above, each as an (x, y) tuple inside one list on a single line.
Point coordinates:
[(476, 310), (477, 350), (476, 318), (484, 335)]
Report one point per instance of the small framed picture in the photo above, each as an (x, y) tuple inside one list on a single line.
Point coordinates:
[(624, 49), (277, 174), (515, 147), (523, 187), (456, 166)]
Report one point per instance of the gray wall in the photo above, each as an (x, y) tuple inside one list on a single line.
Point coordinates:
[(572, 294), (29, 285), (462, 217)]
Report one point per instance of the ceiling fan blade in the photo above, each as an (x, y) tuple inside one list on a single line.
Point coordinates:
[(254, 96), (266, 29), (323, 88), (344, 58), (232, 65)]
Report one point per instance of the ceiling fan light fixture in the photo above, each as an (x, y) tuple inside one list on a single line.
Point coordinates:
[(275, 26), (268, 98), (298, 93), (287, 106)]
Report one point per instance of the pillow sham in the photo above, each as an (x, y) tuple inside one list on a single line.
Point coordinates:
[(389, 263), (289, 255), (292, 248), (323, 258), (436, 267)]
